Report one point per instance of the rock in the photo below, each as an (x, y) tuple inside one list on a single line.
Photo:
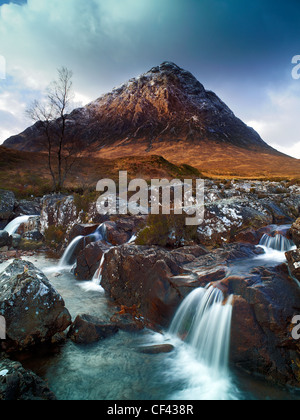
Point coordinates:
[(33, 310), (28, 208), (264, 305), (33, 224), (293, 258), (87, 329), (158, 349), (15, 240), (4, 238), (88, 260), (58, 210), (156, 281), (225, 219), (7, 204), (142, 277), (295, 232), (82, 230), (121, 231), (17, 384), (33, 235)]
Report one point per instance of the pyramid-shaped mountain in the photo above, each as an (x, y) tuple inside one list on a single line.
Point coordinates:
[(166, 112)]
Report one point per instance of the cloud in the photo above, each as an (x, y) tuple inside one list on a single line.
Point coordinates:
[(278, 124)]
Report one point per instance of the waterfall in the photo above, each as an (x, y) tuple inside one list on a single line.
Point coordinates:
[(276, 243), (98, 275), (68, 258), (14, 225), (204, 322)]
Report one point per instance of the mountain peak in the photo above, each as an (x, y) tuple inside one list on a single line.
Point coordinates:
[(164, 111)]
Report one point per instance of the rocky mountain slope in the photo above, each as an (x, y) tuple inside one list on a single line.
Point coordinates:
[(168, 112)]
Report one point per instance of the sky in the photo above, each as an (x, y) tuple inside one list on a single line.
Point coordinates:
[(240, 49)]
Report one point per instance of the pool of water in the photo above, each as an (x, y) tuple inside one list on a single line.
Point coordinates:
[(115, 369)]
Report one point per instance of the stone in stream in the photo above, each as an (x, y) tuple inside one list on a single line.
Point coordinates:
[(293, 258), (295, 232), (18, 384), (87, 329), (33, 310), (157, 349)]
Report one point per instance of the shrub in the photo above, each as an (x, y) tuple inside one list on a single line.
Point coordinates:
[(54, 236), (166, 230)]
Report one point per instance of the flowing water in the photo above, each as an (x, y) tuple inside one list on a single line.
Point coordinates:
[(14, 225), (115, 369)]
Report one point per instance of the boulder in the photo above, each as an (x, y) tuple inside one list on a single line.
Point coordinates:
[(81, 230), (142, 277), (33, 310), (295, 232), (264, 306), (58, 210), (16, 240), (88, 260), (87, 329), (18, 384), (4, 238), (227, 218), (156, 281), (293, 258), (28, 208), (119, 232), (7, 204)]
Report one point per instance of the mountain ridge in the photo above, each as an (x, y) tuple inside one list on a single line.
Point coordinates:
[(165, 111)]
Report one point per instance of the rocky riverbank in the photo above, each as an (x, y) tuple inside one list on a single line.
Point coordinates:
[(146, 282)]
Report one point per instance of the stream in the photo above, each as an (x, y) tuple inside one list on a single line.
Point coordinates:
[(114, 369)]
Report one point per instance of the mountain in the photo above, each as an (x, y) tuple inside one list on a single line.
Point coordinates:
[(168, 112)]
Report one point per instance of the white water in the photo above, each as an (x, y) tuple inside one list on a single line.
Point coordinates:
[(204, 322), (14, 225), (67, 259), (276, 243)]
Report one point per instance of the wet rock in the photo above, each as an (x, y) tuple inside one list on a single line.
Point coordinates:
[(264, 305), (158, 349), (7, 204), (18, 384), (87, 329), (119, 232), (4, 239), (293, 258), (88, 260), (33, 310), (82, 230), (295, 232), (156, 280), (142, 277), (33, 235), (15, 240)]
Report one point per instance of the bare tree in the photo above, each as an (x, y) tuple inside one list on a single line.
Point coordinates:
[(62, 145)]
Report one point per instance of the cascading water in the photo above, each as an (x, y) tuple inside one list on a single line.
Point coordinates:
[(277, 243), (68, 258), (204, 322), (98, 275), (14, 225)]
